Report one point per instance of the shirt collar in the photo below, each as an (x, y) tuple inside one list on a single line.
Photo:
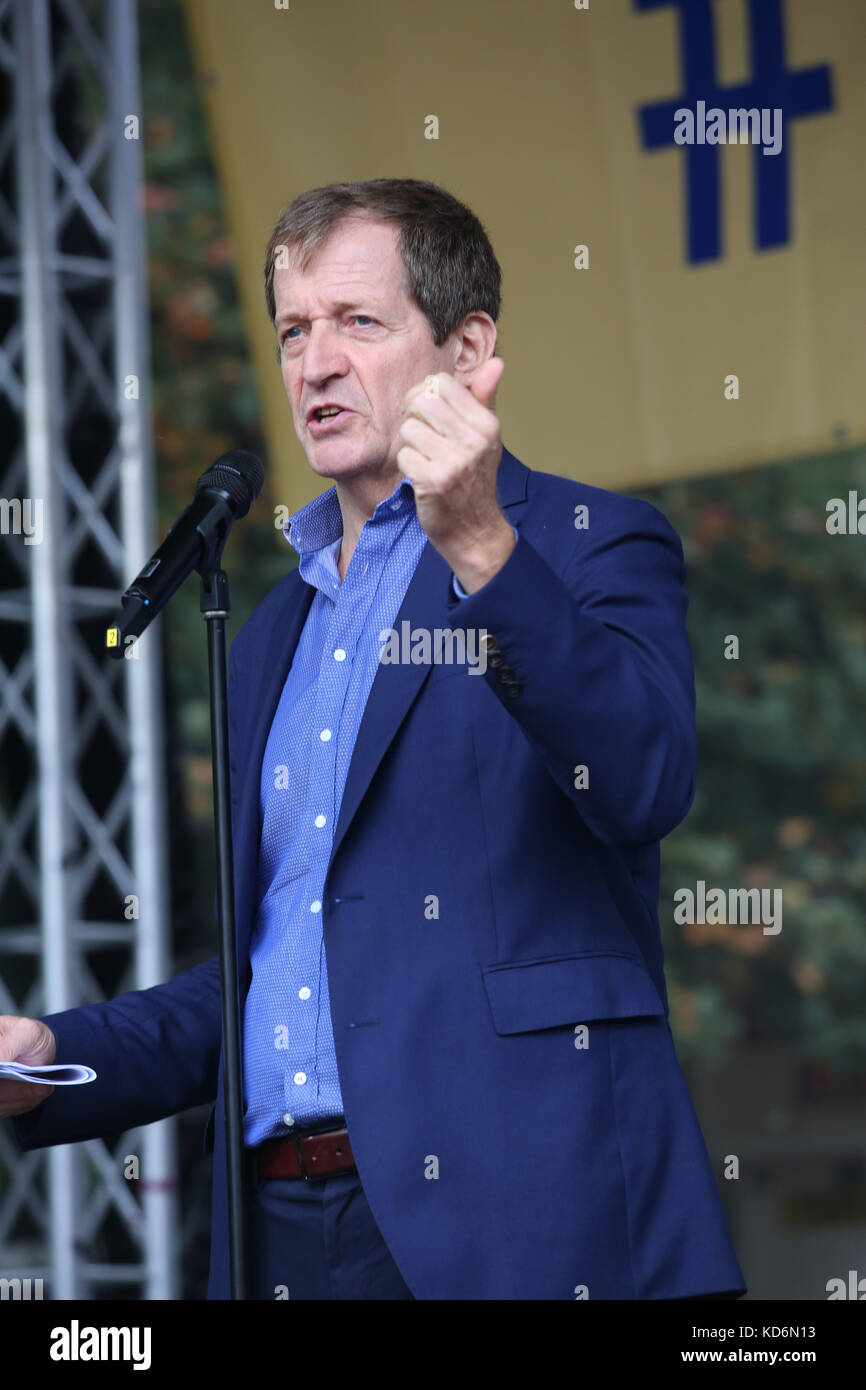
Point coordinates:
[(320, 523)]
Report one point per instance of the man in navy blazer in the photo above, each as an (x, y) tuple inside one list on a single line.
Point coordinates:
[(491, 982)]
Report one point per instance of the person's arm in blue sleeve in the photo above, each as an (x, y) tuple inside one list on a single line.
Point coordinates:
[(600, 669), (155, 1053)]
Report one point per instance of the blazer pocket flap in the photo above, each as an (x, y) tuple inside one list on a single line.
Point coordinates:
[(547, 993)]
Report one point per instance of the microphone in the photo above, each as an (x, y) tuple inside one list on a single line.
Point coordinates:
[(223, 494)]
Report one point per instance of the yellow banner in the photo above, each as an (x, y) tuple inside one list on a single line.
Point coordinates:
[(674, 189)]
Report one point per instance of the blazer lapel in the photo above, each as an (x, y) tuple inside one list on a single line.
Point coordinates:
[(394, 688), (262, 695)]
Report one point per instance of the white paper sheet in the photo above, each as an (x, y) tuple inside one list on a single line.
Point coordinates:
[(55, 1074)]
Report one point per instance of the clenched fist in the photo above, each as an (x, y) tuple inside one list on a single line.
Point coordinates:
[(32, 1042), (451, 448)]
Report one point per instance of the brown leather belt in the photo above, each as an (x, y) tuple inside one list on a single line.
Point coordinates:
[(308, 1156)]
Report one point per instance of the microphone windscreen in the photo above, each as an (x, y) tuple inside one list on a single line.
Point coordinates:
[(239, 474)]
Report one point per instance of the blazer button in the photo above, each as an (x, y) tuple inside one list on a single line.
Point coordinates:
[(496, 659), (488, 642), (505, 674)]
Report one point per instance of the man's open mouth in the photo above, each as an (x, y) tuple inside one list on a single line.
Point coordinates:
[(327, 418)]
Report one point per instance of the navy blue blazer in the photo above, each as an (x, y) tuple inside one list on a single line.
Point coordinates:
[(520, 1121)]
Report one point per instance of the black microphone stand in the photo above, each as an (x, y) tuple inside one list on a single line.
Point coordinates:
[(215, 607), (226, 491)]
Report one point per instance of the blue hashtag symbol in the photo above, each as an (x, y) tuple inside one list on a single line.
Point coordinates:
[(773, 86)]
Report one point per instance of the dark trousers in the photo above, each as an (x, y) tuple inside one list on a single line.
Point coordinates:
[(317, 1240)]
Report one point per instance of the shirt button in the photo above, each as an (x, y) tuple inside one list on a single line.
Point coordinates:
[(325, 735), (288, 1119), (316, 906), (319, 822), (304, 992), (339, 654), (395, 506), (300, 1078)]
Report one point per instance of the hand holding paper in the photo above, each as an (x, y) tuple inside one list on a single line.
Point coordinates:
[(26, 1045)]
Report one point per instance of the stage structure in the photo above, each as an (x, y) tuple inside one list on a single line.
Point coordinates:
[(83, 872)]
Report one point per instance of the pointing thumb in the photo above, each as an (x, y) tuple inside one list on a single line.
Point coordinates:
[(486, 381)]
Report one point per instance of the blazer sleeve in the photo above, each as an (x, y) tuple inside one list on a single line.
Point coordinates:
[(596, 668), (155, 1052)]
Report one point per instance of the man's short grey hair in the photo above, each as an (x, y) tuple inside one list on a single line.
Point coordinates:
[(450, 266)]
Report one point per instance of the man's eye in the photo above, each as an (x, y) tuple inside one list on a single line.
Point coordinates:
[(357, 318)]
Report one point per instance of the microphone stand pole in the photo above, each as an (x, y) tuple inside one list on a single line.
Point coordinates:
[(214, 608)]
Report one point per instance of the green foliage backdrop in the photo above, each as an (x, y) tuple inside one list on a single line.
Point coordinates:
[(782, 781)]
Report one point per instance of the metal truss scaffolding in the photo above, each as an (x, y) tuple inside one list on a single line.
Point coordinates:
[(83, 875)]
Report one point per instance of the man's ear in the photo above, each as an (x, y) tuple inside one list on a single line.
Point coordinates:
[(474, 343)]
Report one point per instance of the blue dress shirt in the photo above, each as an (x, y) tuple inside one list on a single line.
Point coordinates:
[(290, 1067)]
